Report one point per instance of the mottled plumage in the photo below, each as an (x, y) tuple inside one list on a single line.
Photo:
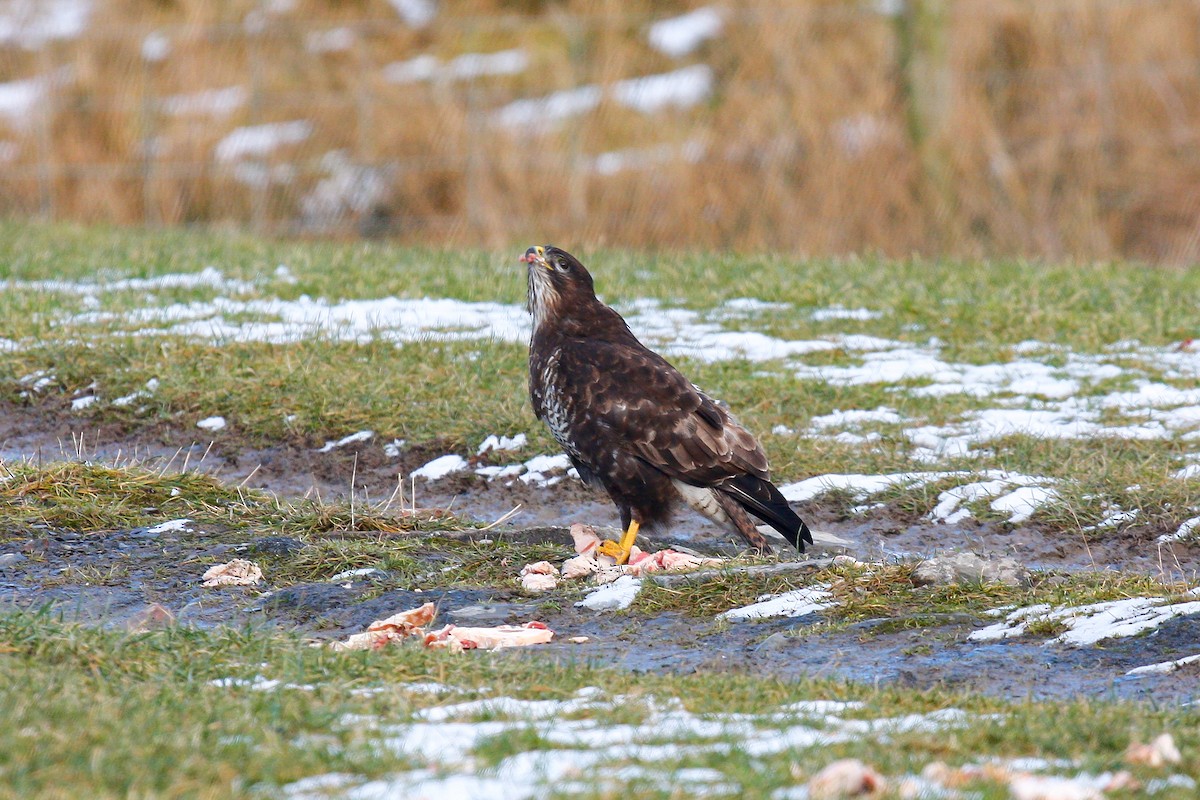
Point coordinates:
[(631, 423)]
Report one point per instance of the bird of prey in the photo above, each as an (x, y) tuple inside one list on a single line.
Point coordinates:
[(632, 424)]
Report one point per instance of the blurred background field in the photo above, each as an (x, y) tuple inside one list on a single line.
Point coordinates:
[(1064, 129)]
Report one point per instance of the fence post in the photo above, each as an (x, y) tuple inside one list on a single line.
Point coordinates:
[(260, 187), (577, 187), (922, 28), (150, 215), (45, 145)]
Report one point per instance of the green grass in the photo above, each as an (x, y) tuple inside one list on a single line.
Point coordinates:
[(450, 395), (881, 591), (83, 496), (69, 692), (111, 714)]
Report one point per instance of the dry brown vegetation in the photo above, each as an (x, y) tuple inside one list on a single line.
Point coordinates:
[(1063, 129)]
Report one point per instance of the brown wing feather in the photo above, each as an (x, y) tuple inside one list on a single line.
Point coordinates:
[(667, 421)]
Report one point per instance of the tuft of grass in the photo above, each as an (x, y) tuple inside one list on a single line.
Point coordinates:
[(83, 496)]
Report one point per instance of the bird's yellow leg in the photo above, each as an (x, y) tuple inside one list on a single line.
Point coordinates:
[(620, 550)]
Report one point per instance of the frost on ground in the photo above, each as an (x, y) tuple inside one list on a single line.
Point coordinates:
[(1089, 624), (615, 596), (679, 36), (1043, 390), (360, 436), (796, 603), (440, 467), (575, 752)]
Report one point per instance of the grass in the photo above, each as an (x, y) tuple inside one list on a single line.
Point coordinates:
[(881, 591), (82, 496), (451, 394), (115, 715)]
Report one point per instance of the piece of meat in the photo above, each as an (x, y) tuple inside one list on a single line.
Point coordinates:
[(396, 627), (457, 638), (238, 572)]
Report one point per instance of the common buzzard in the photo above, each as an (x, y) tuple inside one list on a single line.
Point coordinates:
[(632, 424)]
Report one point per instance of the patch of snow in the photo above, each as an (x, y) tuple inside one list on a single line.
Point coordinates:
[(32, 23), (415, 13), (796, 603), (854, 417), (211, 423), (681, 88), (334, 40), (554, 107), (909, 362), (323, 786), (80, 403), (858, 485), (857, 134), (679, 36), (259, 684), (1187, 473), (440, 744), (465, 67), (838, 312), (150, 388), (1183, 534), (207, 278), (155, 48), (1164, 667), (1023, 502), (1092, 623), (441, 467), (744, 306), (1113, 517), (347, 188), (393, 448), (38, 380), (548, 463), (20, 99), (429, 687), (996, 484), (170, 525), (614, 596), (1177, 781), (207, 102), (258, 141), (353, 573), (643, 158), (360, 436), (493, 442)]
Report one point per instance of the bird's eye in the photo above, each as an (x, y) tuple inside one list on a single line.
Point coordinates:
[(562, 265)]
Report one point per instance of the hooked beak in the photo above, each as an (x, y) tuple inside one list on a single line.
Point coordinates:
[(535, 255)]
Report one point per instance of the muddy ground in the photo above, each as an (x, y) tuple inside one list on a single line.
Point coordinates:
[(111, 577)]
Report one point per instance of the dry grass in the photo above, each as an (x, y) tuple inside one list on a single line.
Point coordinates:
[(1056, 130)]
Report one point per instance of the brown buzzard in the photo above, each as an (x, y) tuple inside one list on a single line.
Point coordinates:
[(632, 424)]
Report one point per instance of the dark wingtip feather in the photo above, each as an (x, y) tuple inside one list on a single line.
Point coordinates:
[(762, 499)]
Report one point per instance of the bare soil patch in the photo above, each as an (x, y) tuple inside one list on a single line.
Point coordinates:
[(111, 577)]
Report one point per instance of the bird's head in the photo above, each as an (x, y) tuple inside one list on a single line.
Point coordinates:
[(558, 283)]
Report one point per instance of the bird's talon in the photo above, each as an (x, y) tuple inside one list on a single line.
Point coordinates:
[(614, 549)]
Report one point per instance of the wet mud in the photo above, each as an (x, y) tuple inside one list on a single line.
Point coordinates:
[(111, 578)]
